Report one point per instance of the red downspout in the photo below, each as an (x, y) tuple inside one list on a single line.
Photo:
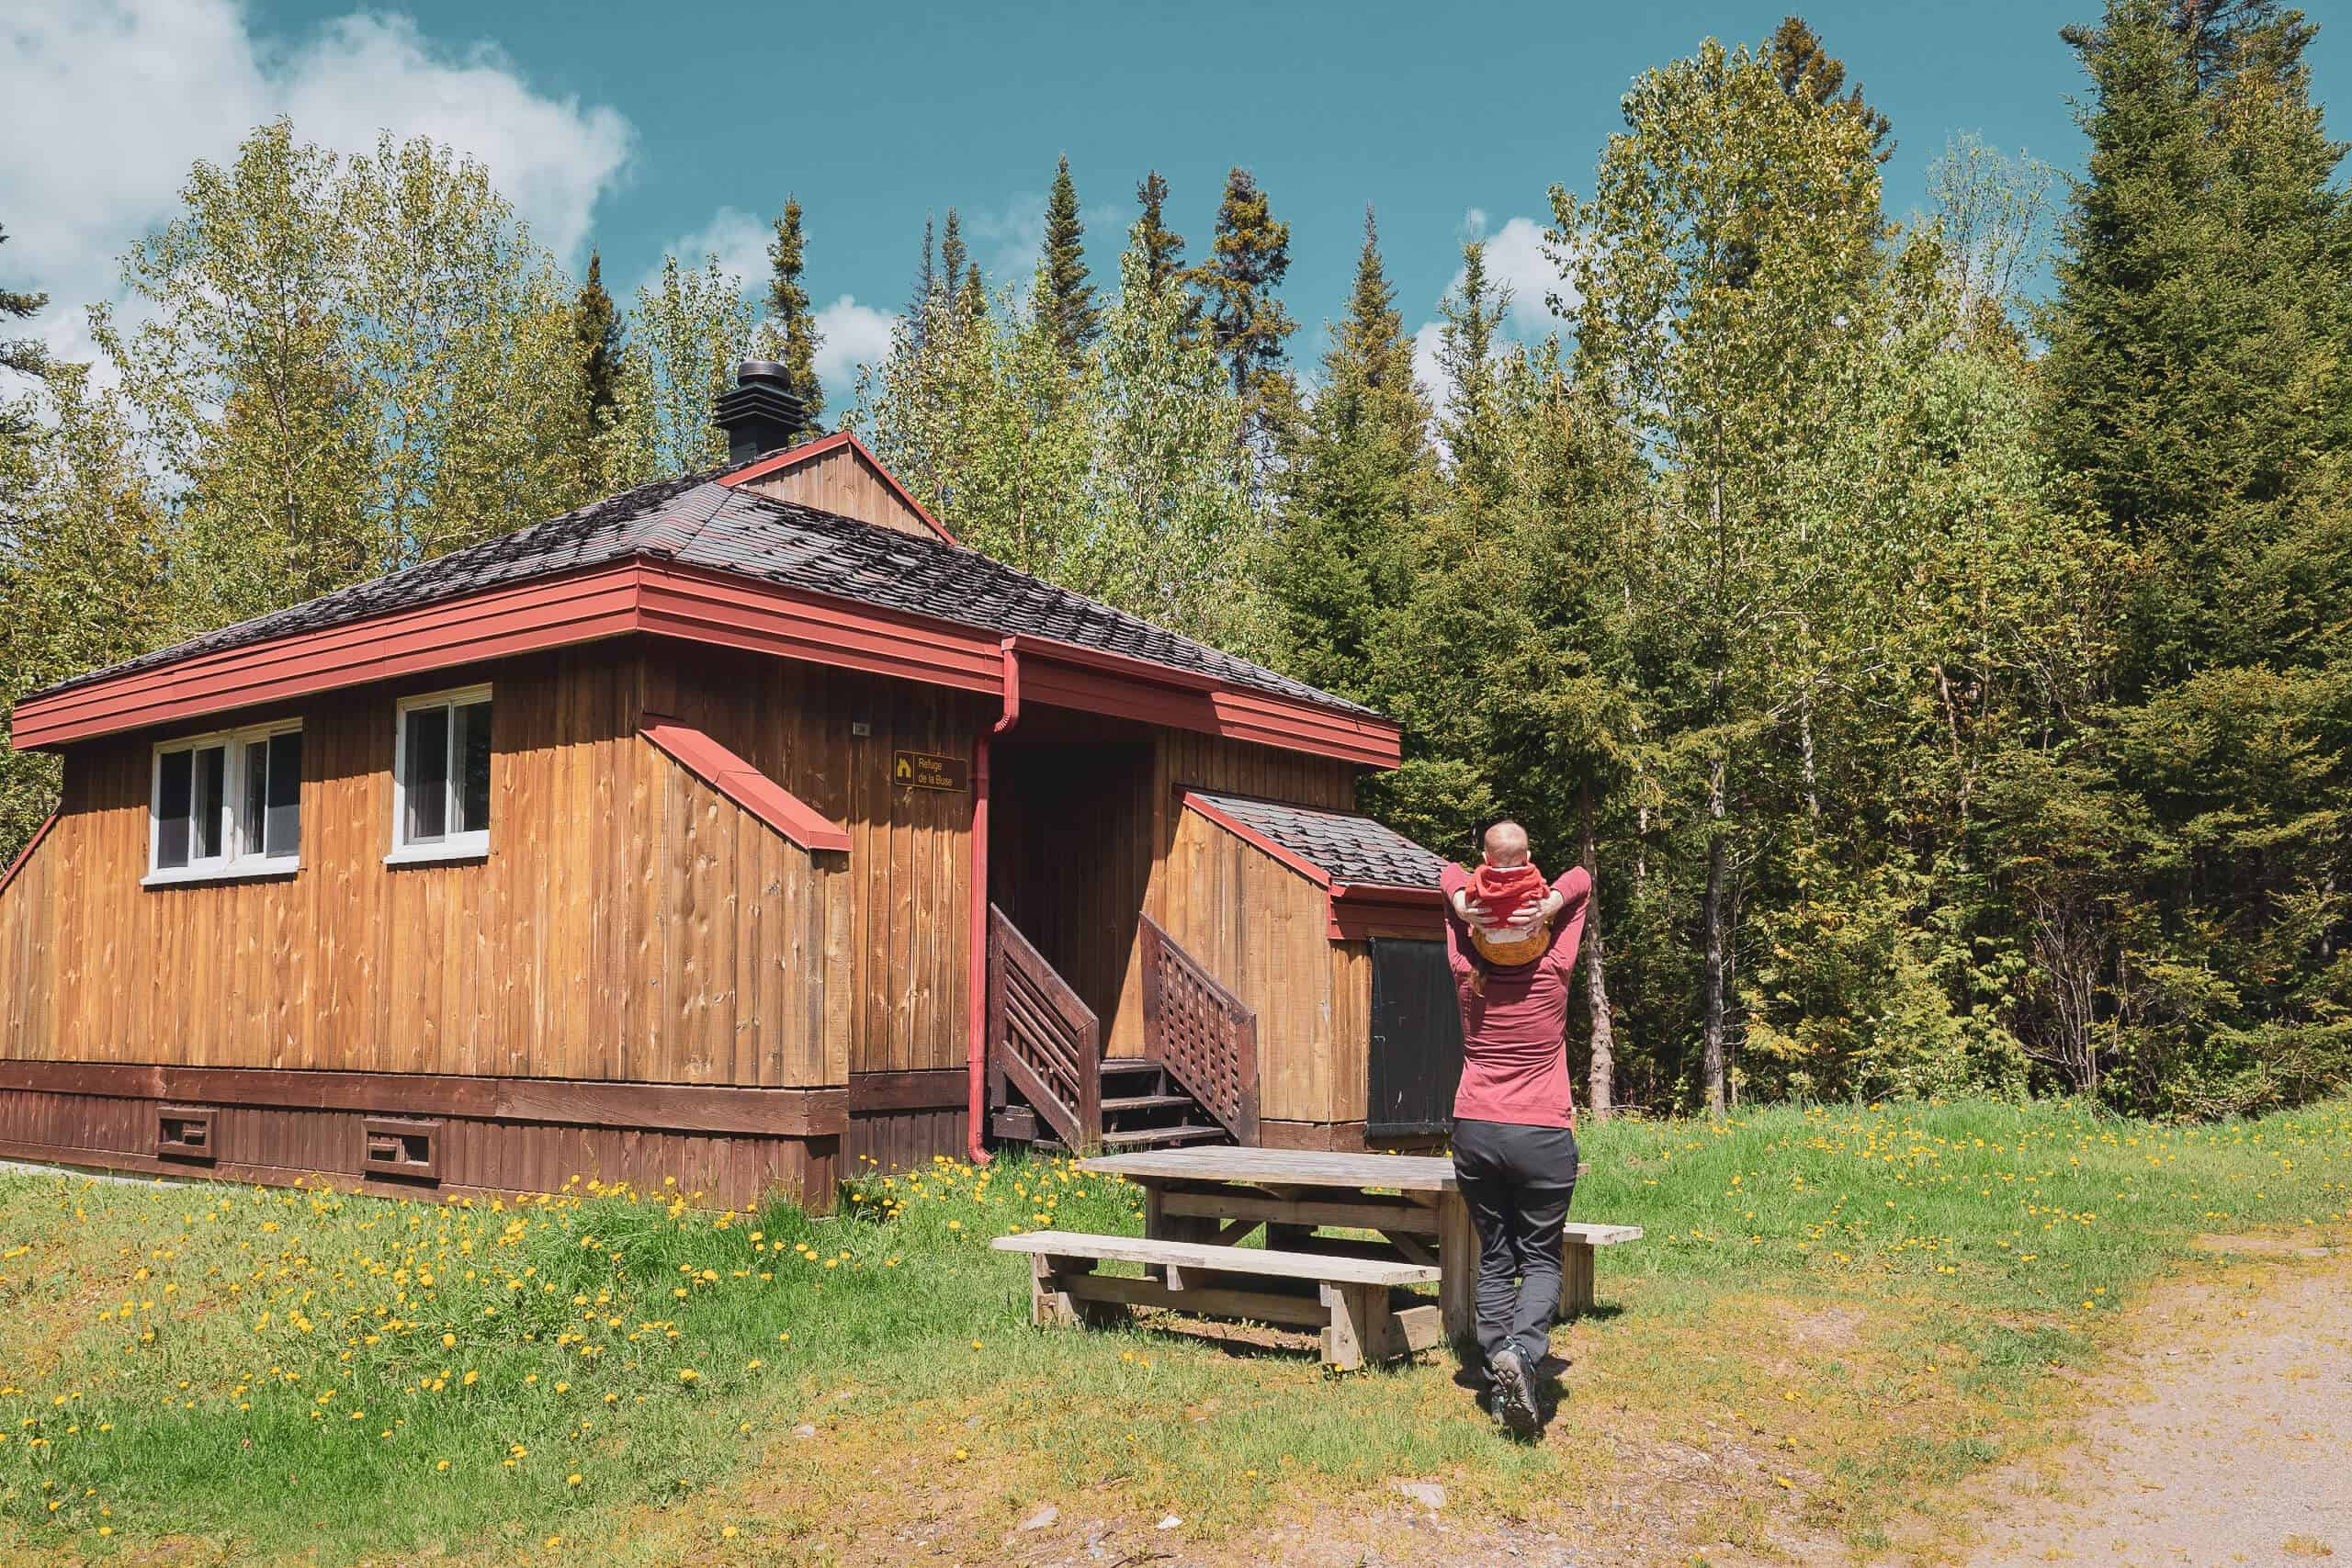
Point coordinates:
[(978, 968)]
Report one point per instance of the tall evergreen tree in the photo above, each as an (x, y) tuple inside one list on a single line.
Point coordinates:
[(789, 317), (1065, 299), (1163, 248), (1472, 314), (1355, 489), (596, 332), (21, 354), (1809, 70), (952, 257), (1239, 286), (2200, 374)]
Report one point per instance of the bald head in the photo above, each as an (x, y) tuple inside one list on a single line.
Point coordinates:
[(1506, 844)]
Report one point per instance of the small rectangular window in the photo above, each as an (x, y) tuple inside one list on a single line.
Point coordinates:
[(441, 777), (227, 805)]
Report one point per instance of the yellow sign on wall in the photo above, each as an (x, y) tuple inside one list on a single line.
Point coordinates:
[(923, 770)]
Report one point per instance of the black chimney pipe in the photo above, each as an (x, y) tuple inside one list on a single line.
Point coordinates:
[(759, 415)]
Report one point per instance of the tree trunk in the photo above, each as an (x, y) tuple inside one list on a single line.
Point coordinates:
[(1601, 1096), (1716, 973)]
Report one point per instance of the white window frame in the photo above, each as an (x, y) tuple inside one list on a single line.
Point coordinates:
[(237, 859), (453, 846)]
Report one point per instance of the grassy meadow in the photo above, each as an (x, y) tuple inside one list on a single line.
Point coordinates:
[(1837, 1313)]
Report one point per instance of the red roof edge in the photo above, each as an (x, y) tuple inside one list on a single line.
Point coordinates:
[(743, 783), (31, 844), (834, 442), (1251, 836), (1362, 909)]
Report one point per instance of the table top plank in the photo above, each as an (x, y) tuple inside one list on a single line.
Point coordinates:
[(1220, 1259), (1299, 1167)]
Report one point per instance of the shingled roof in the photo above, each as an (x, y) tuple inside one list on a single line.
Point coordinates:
[(1343, 846), (696, 520)]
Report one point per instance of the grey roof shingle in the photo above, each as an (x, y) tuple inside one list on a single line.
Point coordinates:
[(1346, 847), (696, 522)]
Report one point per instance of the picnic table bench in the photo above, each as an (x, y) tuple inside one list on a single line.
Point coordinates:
[(1200, 1203)]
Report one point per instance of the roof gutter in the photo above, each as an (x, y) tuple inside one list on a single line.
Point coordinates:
[(977, 965)]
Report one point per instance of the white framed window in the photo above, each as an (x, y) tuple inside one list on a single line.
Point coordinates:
[(441, 777), (228, 804)]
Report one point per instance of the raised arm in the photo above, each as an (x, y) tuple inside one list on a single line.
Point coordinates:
[(1452, 881), (1573, 888)]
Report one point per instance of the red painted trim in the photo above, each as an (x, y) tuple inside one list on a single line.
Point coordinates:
[(494, 623), (1358, 910), (699, 605), (744, 784), (31, 844), (977, 965), (1258, 840), (834, 442), (702, 606)]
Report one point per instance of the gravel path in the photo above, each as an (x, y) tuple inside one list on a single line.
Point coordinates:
[(2227, 1440)]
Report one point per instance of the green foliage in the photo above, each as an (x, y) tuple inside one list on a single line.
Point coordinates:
[(597, 332), (687, 330), (790, 323), (1064, 299), (1239, 286), (23, 356)]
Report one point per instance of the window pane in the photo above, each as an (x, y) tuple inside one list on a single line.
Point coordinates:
[(205, 812), (473, 747), (256, 797), (174, 772), (428, 775), (284, 802)]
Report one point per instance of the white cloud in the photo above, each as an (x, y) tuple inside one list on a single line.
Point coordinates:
[(738, 239), (1515, 259), (854, 335), (106, 103)]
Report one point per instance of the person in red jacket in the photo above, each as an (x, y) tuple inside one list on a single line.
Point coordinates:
[(1514, 1116)]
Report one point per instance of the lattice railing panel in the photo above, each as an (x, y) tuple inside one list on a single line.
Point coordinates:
[(1205, 1036), (1042, 1037)]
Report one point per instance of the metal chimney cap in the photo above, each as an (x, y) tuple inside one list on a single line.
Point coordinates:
[(750, 371)]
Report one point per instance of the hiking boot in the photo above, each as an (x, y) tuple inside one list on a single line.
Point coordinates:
[(1514, 1394)]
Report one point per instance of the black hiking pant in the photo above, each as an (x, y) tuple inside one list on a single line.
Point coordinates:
[(1517, 1181)]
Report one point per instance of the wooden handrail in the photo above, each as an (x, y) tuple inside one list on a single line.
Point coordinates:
[(1204, 1035), (1042, 1038)]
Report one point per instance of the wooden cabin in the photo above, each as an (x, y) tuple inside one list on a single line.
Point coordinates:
[(740, 828)]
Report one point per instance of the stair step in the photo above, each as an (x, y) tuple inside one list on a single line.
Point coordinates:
[(1149, 1137), (1122, 1066), (1149, 1102)]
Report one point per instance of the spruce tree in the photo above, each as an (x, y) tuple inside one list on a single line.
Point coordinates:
[(1238, 284), (1472, 315), (789, 313), (596, 331), (1355, 490), (1809, 70), (952, 257), (1163, 247), (1065, 299), (24, 355)]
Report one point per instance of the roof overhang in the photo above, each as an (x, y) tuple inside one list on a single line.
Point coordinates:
[(664, 599), (1353, 911)]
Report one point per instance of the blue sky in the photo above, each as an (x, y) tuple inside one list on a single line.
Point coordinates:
[(641, 128)]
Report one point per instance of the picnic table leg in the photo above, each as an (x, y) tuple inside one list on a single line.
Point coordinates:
[(1457, 1260), (1359, 1325), (1576, 1278)]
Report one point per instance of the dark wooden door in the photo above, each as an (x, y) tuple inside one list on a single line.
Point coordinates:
[(1416, 1051)]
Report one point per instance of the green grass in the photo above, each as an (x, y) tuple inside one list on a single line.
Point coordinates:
[(1848, 1309)]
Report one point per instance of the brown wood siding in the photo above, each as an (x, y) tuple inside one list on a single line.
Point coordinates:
[(840, 482), (1260, 928), (282, 1144), (629, 924)]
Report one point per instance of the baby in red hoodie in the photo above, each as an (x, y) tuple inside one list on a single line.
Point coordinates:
[(1504, 884)]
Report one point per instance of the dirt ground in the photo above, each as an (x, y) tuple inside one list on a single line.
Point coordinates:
[(2226, 1438)]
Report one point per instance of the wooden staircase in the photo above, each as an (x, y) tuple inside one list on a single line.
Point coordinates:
[(1050, 1086)]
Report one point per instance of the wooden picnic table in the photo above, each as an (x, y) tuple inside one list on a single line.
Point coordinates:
[(1220, 1195)]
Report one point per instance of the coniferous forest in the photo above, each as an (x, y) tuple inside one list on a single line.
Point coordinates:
[(1936, 636)]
